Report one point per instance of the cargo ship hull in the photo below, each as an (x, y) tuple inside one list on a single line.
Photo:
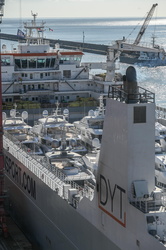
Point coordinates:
[(47, 219)]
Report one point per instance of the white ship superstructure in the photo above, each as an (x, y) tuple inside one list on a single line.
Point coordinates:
[(34, 71)]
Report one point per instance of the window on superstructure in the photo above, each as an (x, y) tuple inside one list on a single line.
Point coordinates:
[(24, 63), (41, 63), (6, 61), (140, 114), (77, 58), (41, 75), (32, 63), (17, 63), (31, 76), (47, 62), (52, 62), (67, 73)]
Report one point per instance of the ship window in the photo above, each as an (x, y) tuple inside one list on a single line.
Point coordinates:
[(40, 63), (140, 114), (24, 63), (52, 62), (41, 75), (5, 61), (77, 58), (47, 62), (32, 63), (67, 73), (18, 63)]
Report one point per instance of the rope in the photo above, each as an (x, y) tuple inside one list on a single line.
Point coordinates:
[(136, 26)]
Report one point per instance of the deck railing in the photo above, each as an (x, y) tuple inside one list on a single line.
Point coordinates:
[(140, 95), (47, 173)]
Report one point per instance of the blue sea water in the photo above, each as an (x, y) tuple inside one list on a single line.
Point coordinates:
[(105, 31)]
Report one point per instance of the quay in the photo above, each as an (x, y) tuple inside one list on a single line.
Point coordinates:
[(15, 240), (100, 49)]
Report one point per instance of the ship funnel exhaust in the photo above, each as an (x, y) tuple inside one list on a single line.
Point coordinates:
[(130, 85)]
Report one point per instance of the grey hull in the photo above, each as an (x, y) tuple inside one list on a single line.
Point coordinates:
[(48, 220)]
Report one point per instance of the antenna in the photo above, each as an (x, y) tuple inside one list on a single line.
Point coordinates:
[(34, 16)]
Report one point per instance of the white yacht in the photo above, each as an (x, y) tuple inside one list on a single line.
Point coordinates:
[(55, 132), (91, 126), (15, 124)]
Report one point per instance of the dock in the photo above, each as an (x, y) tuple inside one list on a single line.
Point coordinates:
[(100, 49), (15, 240)]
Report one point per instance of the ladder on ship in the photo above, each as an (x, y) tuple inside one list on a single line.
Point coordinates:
[(80, 72), (70, 85), (8, 87)]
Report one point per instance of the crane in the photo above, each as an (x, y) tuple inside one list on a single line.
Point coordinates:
[(145, 24)]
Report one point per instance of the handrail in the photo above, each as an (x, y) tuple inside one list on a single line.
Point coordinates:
[(140, 95), (50, 175)]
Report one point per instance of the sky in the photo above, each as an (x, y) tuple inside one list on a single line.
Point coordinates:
[(82, 8)]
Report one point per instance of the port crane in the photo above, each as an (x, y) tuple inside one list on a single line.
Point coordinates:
[(145, 24), (132, 51), (3, 227)]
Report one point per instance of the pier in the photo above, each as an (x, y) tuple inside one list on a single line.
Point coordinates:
[(100, 49)]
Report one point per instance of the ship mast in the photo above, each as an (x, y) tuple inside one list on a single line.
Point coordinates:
[(34, 31)]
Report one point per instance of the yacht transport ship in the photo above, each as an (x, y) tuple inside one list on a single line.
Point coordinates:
[(119, 207)]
